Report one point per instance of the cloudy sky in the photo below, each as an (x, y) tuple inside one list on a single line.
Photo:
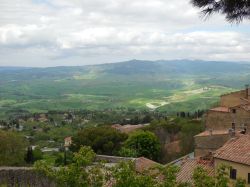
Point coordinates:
[(78, 32)]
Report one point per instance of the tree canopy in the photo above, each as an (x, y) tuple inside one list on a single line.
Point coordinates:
[(145, 143), (12, 149), (103, 140), (234, 10)]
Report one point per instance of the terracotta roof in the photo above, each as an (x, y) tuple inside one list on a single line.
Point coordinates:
[(142, 164), (188, 166), (221, 109), (214, 132), (236, 150)]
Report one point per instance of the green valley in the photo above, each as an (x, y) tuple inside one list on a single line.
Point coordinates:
[(169, 86)]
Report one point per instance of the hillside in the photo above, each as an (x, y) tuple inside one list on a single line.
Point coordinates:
[(163, 85)]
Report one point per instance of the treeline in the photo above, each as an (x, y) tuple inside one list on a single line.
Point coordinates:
[(196, 114)]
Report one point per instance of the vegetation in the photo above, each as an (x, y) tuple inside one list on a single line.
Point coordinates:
[(103, 140), (235, 10), (12, 149), (144, 143), (82, 172), (169, 86)]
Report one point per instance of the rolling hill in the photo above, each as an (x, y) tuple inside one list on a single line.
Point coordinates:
[(177, 85)]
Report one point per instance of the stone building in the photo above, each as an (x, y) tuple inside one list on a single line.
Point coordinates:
[(232, 116)]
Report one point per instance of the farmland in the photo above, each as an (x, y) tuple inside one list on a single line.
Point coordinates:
[(143, 85)]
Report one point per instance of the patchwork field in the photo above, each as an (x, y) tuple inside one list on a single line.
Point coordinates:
[(161, 85)]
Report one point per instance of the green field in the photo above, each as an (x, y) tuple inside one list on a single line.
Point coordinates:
[(166, 86)]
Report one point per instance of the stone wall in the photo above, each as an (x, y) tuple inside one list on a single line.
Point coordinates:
[(233, 99), (218, 120), (23, 177), (223, 121), (206, 144), (113, 159)]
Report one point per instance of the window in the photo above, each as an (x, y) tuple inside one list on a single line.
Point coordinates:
[(234, 111), (233, 173), (248, 180)]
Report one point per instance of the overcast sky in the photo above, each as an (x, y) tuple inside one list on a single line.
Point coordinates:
[(79, 32)]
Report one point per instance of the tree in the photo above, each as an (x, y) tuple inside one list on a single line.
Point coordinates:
[(103, 140), (125, 175), (145, 143), (12, 149), (81, 172), (29, 156), (234, 10)]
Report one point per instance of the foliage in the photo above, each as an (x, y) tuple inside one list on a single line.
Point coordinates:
[(125, 176), (80, 173), (145, 143), (12, 149), (202, 179), (235, 10), (188, 131), (240, 183), (103, 140), (221, 179), (127, 152)]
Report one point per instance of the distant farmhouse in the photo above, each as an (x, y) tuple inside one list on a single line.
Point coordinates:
[(227, 136)]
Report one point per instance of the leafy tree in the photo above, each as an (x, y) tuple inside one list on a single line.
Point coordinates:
[(125, 175), (234, 10), (12, 149), (202, 179), (127, 152), (221, 179), (81, 172), (37, 154), (103, 140), (188, 131), (145, 143)]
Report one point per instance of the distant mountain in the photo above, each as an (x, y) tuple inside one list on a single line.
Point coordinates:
[(133, 68)]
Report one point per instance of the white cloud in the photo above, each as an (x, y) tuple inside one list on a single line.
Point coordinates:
[(75, 32)]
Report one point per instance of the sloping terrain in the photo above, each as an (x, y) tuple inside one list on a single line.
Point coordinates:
[(153, 85)]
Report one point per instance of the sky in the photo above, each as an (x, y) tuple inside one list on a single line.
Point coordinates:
[(42, 33)]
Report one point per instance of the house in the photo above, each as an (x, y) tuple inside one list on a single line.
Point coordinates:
[(67, 141), (236, 154), (209, 141), (233, 115)]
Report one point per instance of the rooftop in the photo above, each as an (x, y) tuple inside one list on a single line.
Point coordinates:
[(235, 150), (214, 132), (188, 166), (221, 109)]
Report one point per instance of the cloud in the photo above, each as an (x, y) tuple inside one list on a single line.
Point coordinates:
[(76, 32)]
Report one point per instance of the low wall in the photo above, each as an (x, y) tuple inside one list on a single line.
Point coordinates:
[(22, 177)]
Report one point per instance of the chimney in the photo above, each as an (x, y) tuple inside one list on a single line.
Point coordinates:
[(210, 132), (247, 90), (231, 133)]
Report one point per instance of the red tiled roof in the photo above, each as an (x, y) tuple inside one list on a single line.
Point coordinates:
[(214, 132), (220, 109), (142, 164), (236, 150), (188, 166)]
